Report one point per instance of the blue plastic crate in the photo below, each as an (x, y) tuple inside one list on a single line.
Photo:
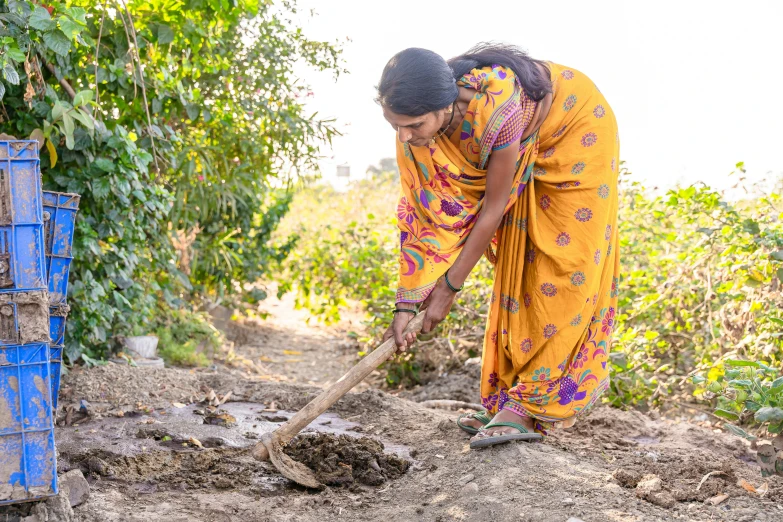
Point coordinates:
[(57, 316), (28, 459), (58, 270), (60, 219), (24, 317), (61, 209), (22, 262), (55, 363), (21, 199)]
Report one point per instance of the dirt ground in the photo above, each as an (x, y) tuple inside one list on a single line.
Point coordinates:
[(153, 449)]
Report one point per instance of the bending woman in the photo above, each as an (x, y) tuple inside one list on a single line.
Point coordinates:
[(516, 159)]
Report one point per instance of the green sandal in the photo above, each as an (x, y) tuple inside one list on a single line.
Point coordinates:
[(493, 440), (482, 416)]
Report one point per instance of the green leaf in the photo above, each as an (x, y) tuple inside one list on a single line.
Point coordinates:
[(57, 42), (728, 415), (165, 34), (15, 54), (83, 97), (769, 414), (698, 379), (69, 28), (777, 382), (777, 255), (192, 110), (106, 165), (78, 14), (779, 273), (68, 124), (2, 90), (83, 118), (740, 432), (41, 20), (10, 74)]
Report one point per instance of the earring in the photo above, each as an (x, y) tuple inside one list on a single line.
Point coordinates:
[(449, 109)]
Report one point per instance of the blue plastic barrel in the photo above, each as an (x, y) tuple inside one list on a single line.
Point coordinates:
[(28, 460)]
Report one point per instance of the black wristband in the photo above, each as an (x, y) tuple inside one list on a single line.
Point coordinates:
[(405, 310), (446, 277)]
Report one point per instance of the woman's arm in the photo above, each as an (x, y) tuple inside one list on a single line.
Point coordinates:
[(500, 178)]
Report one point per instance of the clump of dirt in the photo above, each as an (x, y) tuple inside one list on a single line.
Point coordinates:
[(342, 460)]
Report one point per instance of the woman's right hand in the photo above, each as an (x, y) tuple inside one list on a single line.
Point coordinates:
[(396, 329)]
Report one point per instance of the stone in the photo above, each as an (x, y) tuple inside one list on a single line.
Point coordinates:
[(626, 478), (466, 479), (574, 519), (568, 501), (470, 489), (75, 487), (648, 484), (662, 498)]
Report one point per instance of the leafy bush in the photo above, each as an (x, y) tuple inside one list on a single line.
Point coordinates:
[(700, 283), (747, 392), (185, 338), (172, 121)]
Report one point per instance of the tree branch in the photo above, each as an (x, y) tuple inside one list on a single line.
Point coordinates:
[(63, 82)]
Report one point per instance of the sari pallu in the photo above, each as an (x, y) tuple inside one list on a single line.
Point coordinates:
[(555, 289)]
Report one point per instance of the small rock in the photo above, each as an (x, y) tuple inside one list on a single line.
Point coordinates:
[(648, 484), (568, 502), (96, 465), (626, 478), (75, 486), (446, 425), (612, 487), (467, 478), (470, 489), (652, 456), (662, 498), (717, 499), (574, 519)]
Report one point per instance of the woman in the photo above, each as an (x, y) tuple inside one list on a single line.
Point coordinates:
[(518, 159)]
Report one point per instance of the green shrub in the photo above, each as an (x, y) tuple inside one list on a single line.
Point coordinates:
[(185, 338)]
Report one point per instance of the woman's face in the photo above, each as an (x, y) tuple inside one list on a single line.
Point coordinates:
[(415, 130)]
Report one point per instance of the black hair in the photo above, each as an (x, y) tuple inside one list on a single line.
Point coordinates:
[(415, 82), (485, 54)]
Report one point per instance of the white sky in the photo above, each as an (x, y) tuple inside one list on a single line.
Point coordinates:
[(695, 87)]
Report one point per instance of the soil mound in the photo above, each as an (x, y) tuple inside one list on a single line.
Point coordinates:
[(342, 460)]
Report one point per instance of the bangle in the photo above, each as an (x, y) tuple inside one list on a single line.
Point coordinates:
[(446, 277), (405, 310)]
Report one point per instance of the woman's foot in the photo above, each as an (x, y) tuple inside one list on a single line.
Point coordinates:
[(504, 416)]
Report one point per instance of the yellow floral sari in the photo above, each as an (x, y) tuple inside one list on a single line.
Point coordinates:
[(556, 258)]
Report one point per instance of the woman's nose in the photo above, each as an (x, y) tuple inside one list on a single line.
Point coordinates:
[(404, 135)]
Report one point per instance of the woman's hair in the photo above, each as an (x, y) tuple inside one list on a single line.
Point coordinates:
[(535, 84), (417, 81)]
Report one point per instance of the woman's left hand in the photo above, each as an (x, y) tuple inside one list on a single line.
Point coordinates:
[(437, 305)]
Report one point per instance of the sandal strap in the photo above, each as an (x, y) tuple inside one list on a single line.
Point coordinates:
[(499, 424), (480, 416)]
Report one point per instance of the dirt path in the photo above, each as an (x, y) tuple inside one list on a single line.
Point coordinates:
[(138, 449)]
